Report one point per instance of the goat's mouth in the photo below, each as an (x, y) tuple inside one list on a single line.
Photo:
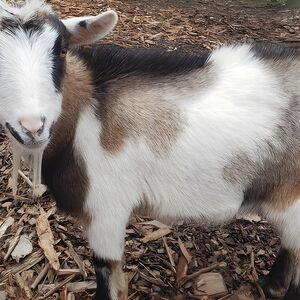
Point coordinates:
[(28, 143)]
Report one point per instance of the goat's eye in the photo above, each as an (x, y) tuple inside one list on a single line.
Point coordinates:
[(63, 52)]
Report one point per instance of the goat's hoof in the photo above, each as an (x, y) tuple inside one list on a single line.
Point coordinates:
[(273, 288), (293, 293)]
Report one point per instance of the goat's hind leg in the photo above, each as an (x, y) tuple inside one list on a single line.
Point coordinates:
[(293, 292), (283, 281), (276, 283)]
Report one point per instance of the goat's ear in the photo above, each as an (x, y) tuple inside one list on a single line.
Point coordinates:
[(87, 30)]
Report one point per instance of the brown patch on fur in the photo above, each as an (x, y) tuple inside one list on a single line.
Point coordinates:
[(274, 178), (275, 181), (77, 90), (64, 170), (131, 113)]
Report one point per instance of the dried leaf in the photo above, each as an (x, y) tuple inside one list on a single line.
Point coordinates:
[(170, 254), (184, 251), (46, 240), (76, 287), (21, 283), (250, 217), (211, 284), (155, 235), (155, 224), (5, 225), (181, 269)]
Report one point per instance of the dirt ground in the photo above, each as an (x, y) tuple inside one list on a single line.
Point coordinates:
[(159, 260)]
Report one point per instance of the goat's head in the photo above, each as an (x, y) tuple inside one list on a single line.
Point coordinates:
[(33, 45)]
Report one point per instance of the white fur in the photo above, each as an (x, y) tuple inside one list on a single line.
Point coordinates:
[(26, 85), (231, 116), (287, 223), (106, 200)]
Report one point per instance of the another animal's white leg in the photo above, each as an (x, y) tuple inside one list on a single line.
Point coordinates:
[(284, 277)]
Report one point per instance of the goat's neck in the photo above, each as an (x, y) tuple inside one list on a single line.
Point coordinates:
[(77, 92)]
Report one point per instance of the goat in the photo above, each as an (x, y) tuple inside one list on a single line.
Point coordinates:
[(199, 136)]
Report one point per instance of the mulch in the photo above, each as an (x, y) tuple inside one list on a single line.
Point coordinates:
[(161, 261)]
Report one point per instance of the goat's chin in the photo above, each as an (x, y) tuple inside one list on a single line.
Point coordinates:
[(40, 146)]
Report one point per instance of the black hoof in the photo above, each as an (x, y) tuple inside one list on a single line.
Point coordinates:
[(273, 288), (293, 293), (277, 282)]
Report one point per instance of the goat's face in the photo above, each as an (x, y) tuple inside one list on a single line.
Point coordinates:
[(33, 45)]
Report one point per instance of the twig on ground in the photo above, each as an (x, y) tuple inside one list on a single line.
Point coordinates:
[(201, 271), (13, 243), (255, 277), (58, 286), (41, 275)]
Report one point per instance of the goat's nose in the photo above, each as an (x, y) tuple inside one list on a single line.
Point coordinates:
[(33, 126)]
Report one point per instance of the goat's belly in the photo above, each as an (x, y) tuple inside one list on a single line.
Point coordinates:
[(190, 186), (205, 174), (203, 204)]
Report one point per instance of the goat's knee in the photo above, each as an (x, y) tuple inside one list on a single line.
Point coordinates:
[(110, 279)]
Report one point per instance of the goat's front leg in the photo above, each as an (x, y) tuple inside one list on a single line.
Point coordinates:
[(110, 279), (106, 235)]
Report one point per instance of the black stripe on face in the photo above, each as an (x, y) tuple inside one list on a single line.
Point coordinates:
[(10, 25), (14, 133), (103, 269), (35, 24), (59, 50), (58, 64)]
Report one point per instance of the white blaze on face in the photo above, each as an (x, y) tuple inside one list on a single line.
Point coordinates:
[(27, 88), (30, 101), (32, 41)]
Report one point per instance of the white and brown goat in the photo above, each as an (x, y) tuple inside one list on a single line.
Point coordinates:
[(189, 136)]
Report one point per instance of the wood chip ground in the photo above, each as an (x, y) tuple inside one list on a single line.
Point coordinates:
[(161, 262)]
